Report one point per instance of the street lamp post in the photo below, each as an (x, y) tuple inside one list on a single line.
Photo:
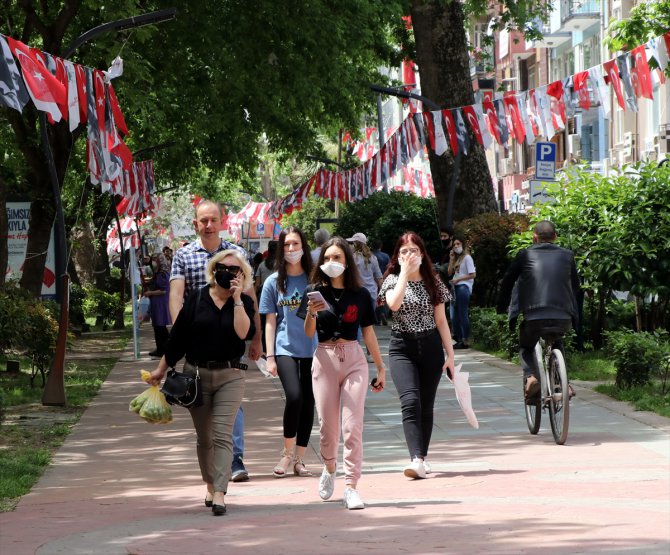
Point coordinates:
[(54, 389)]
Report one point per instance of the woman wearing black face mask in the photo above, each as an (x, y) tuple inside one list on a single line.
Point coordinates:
[(210, 332)]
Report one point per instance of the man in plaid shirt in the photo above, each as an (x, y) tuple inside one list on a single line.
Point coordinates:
[(188, 274)]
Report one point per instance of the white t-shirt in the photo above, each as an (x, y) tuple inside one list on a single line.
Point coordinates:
[(466, 267)]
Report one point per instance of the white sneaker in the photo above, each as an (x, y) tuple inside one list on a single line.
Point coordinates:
[(427, 466), (352, 500), (326, 484), (415, 469)]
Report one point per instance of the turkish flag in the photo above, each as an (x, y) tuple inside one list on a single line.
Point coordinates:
[(47, 92), (116, 110), (471, 116), (555, 91), (512, 109), (99, 87), (450, 126), (641, 73), (582, 89), (81, 92), (612, 75), (492, 120), (430, 129)]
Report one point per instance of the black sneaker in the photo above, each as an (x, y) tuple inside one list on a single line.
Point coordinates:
[(460, 345), (240, 473), (155, 354)]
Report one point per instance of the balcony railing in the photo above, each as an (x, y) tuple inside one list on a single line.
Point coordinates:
[(572, 8)]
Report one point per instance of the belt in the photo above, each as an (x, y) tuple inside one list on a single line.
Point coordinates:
[(412, 334), (219, 364)]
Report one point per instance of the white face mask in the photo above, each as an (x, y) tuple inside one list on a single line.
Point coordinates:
[(293, 256), (332, 269), (458, 250)]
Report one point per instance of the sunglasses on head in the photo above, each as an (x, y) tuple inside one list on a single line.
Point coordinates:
[(230, 269)]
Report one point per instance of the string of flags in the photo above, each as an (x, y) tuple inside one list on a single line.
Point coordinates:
[(83, 95), (522, 116), (79, 95)]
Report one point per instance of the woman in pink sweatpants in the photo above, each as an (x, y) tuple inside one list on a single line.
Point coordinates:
[(335, 306)]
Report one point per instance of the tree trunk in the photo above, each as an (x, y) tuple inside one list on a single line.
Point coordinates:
[(442, 57)]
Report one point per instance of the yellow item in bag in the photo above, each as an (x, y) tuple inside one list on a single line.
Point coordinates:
[(155, 408)]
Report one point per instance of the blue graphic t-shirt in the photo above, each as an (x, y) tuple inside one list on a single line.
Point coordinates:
[(290, 337)]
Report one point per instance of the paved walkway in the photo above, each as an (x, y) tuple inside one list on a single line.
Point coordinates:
[(119, 485)]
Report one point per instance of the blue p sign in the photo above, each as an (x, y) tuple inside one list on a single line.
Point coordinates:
[(545, 161)]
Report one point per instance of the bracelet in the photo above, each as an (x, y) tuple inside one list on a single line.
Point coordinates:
[(312, 315), (239, 304), (269, 356)]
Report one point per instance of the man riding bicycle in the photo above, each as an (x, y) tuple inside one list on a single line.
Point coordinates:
[(547, 291)]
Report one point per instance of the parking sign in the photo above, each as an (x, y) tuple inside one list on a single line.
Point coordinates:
[(545, 161)]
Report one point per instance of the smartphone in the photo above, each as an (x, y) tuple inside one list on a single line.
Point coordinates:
[(315, 297), (373, 383)]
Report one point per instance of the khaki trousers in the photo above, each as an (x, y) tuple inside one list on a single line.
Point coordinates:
[(222, 392)]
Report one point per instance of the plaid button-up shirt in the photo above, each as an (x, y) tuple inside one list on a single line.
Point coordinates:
[(189, 263)]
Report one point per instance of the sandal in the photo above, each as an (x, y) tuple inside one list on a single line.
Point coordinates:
[(299, 468), (281, 470)]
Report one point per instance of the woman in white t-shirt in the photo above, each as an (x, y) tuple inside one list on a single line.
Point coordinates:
[(462, 267)]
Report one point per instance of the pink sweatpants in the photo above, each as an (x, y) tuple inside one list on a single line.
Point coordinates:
[(340, 377)]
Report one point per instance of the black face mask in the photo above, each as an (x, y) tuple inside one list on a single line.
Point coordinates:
[(223, 278)]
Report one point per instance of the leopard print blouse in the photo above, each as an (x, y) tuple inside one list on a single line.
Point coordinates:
[(416, 313)]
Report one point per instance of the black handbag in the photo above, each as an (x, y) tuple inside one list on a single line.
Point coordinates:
[(182, 389)]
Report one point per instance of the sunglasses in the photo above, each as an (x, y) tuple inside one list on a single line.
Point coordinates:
[(230, 269)]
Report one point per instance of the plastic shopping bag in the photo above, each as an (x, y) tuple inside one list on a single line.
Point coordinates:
[(144, 309), (151, 404), (463, 395)]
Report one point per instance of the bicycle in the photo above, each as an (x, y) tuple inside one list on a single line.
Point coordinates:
[(554, 390)]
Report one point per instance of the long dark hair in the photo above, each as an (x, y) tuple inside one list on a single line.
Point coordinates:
[(272, 252), (426, 268), (352, 280), (280, 261)]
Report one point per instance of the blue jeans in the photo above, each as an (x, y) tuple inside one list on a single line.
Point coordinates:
[(461, 318), (238, 434)]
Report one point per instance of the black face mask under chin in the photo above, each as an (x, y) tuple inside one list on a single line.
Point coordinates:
[(223, 278)]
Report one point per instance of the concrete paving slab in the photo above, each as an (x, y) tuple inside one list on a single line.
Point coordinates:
[(119, 485)]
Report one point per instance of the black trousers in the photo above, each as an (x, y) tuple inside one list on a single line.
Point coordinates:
[(161, 335), (530, 333), (296, 378), (416, 368)]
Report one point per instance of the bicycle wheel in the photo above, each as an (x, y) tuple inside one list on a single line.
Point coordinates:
[(559, 402), (534, 410)]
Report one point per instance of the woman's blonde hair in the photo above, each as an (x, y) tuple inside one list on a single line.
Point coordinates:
[(247, 282)]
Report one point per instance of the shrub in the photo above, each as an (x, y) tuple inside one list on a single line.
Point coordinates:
[(12, 316), (39, 338), (386, 216), (493, 331), (637, 356), (620, 315), (488, 236), (102, 306)]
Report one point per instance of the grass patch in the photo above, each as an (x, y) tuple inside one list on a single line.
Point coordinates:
[(591, 366), (648, 397), (24, 453), (29, 434)]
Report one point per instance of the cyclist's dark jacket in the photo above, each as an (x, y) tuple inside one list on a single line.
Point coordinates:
[(548, 283)]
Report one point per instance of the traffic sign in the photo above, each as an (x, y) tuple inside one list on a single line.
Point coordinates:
[(545, 161)]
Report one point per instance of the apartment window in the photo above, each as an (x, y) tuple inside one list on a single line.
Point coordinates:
[(591, 52)]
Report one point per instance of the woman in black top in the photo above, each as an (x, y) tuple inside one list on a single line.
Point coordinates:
[(339, 368), (210, 332), (419, 337)]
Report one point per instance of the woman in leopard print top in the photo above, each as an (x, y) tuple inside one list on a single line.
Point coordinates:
[(419, 336)]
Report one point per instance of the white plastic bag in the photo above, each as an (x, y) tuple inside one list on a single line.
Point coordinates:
[(144, 309), (463, 395)]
